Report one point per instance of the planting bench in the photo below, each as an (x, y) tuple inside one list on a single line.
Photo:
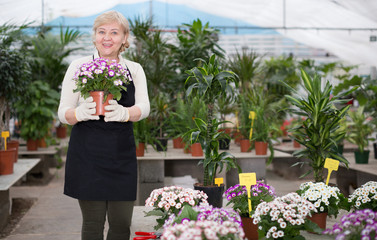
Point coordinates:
[(20, 169), (49, 157), (154, 166), (357, 174)]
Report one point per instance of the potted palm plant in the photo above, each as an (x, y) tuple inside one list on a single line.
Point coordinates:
[(322, 118), (359, 130), (160, 109), (210, 82), (142, 135)]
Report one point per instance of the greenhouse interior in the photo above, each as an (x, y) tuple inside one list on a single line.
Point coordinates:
[(250, 119)]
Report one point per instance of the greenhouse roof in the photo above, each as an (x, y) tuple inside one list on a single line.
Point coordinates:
[(346, 28)]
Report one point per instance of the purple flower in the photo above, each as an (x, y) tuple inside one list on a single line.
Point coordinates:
[(111, 73)]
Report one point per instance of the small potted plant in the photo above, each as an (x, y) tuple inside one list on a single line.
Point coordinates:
[(100, 78), (142, 135), (284, 217), (364, 197), (238, 199), (359, 130), (328, 200), (360, 224), (209, 82), (322, 118), (170, 200)]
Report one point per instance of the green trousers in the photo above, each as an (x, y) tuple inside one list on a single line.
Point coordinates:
[(119, 216)]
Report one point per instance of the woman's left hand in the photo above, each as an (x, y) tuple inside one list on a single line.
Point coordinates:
[(116, 113)]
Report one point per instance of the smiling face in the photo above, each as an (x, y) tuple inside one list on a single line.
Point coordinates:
[(109, 39)]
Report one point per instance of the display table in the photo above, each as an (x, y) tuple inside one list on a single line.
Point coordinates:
[(20, 169)]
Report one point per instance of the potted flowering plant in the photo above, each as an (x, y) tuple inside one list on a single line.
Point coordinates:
[(207, 229), (364, 197), (170, 200), (360, 224), (102, 75), (237, 198), (284, 217), (201, 213), (326, 199)]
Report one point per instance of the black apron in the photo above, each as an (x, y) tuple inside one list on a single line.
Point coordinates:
[(101, 159)]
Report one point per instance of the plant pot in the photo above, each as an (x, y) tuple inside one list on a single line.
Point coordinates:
[(375, 150), (320, 219), (196, 150), (42, 143), (140, 149), (101, 102), (214, 193), (162, 144), (245, 145), (362, 157), (187, 149), (250, 229), (237, 136), (14, 144), (32, 145), (224, 144), (178, 143), (61, 132), (261, 148), (296, 144), (7, 158)]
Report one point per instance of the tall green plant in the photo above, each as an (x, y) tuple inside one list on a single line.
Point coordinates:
[(359, 129), (322, 119), (209, 82), (49, 53), (14, 73), (247, 65)]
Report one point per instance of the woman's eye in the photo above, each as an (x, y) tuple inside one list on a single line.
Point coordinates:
[(115, 33), (101, 32)]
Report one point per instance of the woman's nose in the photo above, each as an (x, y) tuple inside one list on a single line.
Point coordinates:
[(107, 36)]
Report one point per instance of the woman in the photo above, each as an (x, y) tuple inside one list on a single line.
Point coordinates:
[(101, 166)]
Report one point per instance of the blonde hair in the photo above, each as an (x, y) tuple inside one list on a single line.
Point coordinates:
[(109, 17)]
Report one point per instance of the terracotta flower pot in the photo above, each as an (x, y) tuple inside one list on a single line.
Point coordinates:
[(320, 219), (42, 143), (296, 144), (140, 150), (261, 148), (245, 145), (101, 102), (61, 132), (7, 158), (196, 150), (250, 229), (32, 145), (178, 143), (237, 136), (14, 144)]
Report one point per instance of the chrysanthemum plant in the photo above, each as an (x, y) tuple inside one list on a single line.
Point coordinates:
[(170, 200), (285, 217), (364, 197), (237, 197), (102, 75), (209, 82), (325, 198), (318, 132)]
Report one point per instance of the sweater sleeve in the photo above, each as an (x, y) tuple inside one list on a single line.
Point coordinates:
[(141, 90), (68, 99)]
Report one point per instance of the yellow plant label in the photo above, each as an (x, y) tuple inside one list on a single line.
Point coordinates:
[(5, 135), (331, 165), (252, 117), (219, 181), (248, 179)]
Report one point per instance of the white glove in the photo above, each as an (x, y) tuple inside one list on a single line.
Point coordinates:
[(116, 113), (85, 110)]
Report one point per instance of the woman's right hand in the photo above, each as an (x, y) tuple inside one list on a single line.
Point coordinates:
[(85, 111)]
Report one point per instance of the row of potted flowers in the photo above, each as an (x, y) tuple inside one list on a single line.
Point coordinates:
[(186, 214)]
